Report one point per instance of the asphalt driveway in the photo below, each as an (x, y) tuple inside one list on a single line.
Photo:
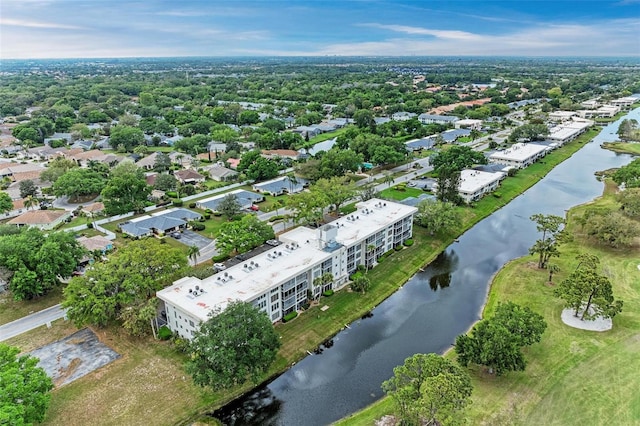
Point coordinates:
[(191, 238)]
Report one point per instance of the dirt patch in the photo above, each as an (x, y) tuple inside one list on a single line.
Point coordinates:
[(74, 356)]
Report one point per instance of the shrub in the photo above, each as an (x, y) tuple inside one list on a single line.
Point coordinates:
[(327, 293), (90, 225), (217, 214), (512, 172), (497, 194), (409, 242), (164, 333), (289, 316), (206, 216), (208, 211), (198, 226), (178, 203), (220, 258), (192, 205), (398, 247), (172, 194), (361, 268), (355, 275)]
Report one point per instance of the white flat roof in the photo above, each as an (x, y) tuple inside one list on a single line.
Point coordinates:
[(568, 129), (518, 152), (474, 180), (279, 264)]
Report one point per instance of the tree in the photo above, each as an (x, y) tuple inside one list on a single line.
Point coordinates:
[(192, 253), (6, 204), (387, 177), (553, 268), (232, 346), (78, 182), (337, 162), (363, 118), (262, 169), (448, 181), (429, 390), (367, 192), (165, 182), (37, 260), (229, 206), (437, 216), (529, 132), (243, 235), (587, 291), (336, 190), (119, 290), (551, 227), (320, 282), (629, 174), (360, 283), (30, 202), (307, 206), (611, 228), (475, 134), (129, 137), (458, 158), (497, 342), (24, 388), (630, 202), (126, 190), (162, 162), (27, 188), (57, 167)]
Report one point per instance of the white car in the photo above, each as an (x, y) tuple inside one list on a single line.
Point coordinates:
[(219, 266)]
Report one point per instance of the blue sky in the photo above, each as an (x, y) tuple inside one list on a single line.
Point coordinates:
[(118, 28)]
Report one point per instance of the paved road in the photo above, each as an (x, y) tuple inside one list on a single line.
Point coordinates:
[(30, 322)]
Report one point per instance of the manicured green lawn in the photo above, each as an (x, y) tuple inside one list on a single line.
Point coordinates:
[(394, 194), (11, 310)]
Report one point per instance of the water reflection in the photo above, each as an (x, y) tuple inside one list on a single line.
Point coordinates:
[(442, 267), (258, 408)]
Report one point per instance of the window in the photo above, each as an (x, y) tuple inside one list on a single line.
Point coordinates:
[(191, 323)]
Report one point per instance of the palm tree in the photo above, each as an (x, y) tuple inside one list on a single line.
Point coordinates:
[(475, 134), (292, 181), (193, 254), (388, 178), (553, 268), (30, 201)]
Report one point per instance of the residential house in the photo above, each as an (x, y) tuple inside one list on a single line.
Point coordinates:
[(189, 176), (220, 173), (245, 198), (93, 209), (468, 124), (159, 223), (43, 219), (279, 281), (96, 243), (13, 170), (276, 154), (420, 144), (279, 186)]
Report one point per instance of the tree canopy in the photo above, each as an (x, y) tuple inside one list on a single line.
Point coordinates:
[(127, 136), (24, 388), (126, 190), (429, 389), (551, 227), (237, 344), (37, 260), (437, 216), (458, 157), (497, 342), (587, 291), (229, 206), (243, 235), (78, 182), (6, 204), (335, 190), (122, 289)]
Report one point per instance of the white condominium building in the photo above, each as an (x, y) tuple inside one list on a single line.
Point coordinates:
[(278, 281), (475, 183), (519, 155)]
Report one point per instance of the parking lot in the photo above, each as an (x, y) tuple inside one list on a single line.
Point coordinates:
[(191, 238)]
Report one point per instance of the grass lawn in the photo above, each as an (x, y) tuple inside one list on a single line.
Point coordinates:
[(573, 376), (623, 147), (395, 194), (326, 136), (11, 310)]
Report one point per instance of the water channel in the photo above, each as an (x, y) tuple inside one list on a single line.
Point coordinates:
[(428, 312)]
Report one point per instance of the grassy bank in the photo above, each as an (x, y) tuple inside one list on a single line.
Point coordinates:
[(623, 147), (573, 376), (148, 385)]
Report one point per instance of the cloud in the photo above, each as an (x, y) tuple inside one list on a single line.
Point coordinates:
[(36, 24), (442, 34)]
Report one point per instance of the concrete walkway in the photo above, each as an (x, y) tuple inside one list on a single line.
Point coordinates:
[(35, 320)]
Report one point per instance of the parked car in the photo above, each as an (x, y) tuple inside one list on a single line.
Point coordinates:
[(176, 235), (273, 243), (254, 208), (219, 267)]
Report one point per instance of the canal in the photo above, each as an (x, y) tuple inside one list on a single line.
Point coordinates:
[(428, 312)]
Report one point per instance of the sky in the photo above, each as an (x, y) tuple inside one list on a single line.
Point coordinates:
[(161, 28)]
